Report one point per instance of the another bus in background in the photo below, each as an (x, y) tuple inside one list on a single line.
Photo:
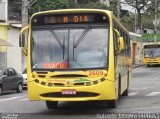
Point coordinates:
[(151, 54)]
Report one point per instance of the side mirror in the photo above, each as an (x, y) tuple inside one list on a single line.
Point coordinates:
[(21, 40), (121, 43)]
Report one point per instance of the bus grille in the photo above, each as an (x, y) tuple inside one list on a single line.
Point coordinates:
[(78, 94)]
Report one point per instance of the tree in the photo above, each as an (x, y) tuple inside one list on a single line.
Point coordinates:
[(43, 5), (14, 9), (113, 6), (90, 5), (128, 22), (140, 6)]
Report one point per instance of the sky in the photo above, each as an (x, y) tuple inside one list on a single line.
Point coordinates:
[(127, 7)]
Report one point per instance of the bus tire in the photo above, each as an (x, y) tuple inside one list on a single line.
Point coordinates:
[(0, 90), (52, 104), (119, 87), (112, 103), (148, 65), (125, 93)]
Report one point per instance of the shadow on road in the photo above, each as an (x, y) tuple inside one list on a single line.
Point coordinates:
[(153, 66), (90, 107)]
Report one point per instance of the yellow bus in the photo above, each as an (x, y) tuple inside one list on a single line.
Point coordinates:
[(151, 54), (76, 55)]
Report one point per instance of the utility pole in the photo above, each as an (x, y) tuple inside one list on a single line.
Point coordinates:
[(118, 9), (24, 23), (135, 22), (156, 22), (24, 13)]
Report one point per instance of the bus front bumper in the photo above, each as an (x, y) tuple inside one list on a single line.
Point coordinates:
[(102, 91)]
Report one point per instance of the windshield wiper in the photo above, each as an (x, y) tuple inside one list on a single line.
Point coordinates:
[(57, 39), (80, 39)]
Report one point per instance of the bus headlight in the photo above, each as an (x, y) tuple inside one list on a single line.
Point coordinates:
[(43, 83), (50, 84), (36, 80), (88, 83), (102, 79), (95, 82)]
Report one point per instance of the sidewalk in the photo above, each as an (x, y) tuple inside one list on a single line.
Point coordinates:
[(137, 65)]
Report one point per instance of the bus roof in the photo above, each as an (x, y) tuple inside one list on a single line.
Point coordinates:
[(72, 11), (109, 13)]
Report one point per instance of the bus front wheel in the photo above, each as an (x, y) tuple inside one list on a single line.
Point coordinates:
[(51, 104), (148, 65), (125, 93), (112, 103)]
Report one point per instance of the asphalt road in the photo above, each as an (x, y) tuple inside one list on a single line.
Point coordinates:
[(143, 100)]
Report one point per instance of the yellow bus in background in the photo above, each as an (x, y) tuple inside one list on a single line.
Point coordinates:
[(151, 54), (76, 55)]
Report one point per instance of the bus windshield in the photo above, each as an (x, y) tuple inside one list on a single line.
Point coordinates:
[(152, 52), (69, 47)]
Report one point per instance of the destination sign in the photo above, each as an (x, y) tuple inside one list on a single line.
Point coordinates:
[(69, 19)]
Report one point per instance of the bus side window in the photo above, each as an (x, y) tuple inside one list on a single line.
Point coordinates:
[(115, 39)]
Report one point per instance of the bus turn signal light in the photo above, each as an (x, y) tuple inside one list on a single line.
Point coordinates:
[(36, 80)]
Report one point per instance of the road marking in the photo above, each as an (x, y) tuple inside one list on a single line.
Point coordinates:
[(25, 99), (12, 98), (153, 94), (132, 93)]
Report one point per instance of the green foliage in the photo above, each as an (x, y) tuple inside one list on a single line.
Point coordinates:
[(14, 5), (43, 5), (14, 9), (113, 6), (147, 21), (90, 5), (128, 22), (150, 37)]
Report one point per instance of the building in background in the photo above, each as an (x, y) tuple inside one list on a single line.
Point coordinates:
[(136, 48), (3, 32), (3, 47), (14, 57), (3, 10), (9, 31)]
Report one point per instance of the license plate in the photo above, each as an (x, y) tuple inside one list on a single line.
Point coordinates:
[(69, 92)]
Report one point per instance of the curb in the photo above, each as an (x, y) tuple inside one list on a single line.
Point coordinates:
[(136, 66)]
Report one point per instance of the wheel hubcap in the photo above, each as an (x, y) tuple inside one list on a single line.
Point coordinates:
[(0, 90), (20, 87)]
